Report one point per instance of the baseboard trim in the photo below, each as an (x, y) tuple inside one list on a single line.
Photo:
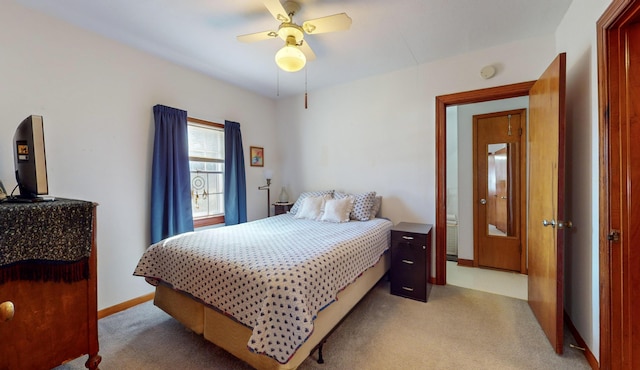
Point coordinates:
[(124, 305), (591, 359), (465, 263)]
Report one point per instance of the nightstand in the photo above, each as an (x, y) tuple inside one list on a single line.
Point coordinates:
[(280, 208), (411, 260)]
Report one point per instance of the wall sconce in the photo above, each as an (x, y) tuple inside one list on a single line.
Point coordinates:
[(267, 175)]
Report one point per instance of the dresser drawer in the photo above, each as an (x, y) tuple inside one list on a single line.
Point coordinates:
[(414, 252), (413, 239), (408, 280)]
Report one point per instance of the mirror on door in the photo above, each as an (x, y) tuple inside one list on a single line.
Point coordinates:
[(500, 160)]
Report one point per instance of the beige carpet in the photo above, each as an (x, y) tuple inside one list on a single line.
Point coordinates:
[(457, 329)]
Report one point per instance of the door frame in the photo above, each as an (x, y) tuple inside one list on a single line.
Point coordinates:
[(617, 16), (442, 102)]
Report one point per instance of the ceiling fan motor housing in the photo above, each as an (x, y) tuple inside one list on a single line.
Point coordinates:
[(291, 29)]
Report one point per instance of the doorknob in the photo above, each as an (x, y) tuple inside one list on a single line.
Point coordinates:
[(551, 223), (483, 201), (7, 310), (564, 224)]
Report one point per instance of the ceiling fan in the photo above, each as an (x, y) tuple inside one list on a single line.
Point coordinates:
[(295, 53)]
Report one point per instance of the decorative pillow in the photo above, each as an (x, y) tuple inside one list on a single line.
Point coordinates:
[(306, 194), (376, 207), (312, 207), (362, 205), (337, 210)]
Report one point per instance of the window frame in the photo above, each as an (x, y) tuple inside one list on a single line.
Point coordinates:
[(208, 220)]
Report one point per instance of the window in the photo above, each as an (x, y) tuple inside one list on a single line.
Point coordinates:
[(206, 163)]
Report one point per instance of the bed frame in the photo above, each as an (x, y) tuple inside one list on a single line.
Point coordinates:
[(233, 336)]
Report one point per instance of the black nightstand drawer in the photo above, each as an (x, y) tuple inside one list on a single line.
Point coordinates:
[(410, 260)]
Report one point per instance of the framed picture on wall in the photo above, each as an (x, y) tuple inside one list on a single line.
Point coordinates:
[(257, 156)]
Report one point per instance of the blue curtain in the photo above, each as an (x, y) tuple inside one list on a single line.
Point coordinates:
[(170, 177), (235, 182)]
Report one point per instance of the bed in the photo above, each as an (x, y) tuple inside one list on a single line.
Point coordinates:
[(271, 290)]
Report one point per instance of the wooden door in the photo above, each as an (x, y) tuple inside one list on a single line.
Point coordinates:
[(546, 200), (628, 268), (499, 158), (619, 69)]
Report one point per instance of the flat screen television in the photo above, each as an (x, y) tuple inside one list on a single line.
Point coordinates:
[(30, 159)]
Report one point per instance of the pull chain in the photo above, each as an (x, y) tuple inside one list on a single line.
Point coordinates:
[(306, 106)]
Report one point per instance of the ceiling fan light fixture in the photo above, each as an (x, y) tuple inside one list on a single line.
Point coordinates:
[(294, 55), (290, 58)]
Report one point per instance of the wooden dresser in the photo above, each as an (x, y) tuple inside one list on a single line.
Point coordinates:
[(411, 260), (48, 312)]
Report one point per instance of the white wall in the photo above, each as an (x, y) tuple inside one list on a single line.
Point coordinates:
[(577, 36), (452, 163), (96, 97), (379, 133)]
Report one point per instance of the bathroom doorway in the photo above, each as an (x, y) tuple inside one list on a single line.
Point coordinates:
[(460, 238)]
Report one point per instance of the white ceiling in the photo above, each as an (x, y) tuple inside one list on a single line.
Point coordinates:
[(385, 35)]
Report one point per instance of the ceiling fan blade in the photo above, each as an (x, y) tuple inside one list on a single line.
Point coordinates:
[(277, 10), (258, 36), (331, 23), (306, 50)]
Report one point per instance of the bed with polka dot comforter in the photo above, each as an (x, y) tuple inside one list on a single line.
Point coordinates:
[(273, 275)]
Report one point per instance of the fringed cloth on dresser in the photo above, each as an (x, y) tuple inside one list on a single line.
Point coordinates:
[(45, 241)]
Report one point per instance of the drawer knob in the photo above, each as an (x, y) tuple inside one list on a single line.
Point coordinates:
[(407, 262), (407, 289), (407, 237), (7, 310)]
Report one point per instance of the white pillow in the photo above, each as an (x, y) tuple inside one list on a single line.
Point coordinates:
[(337, 210), (311, 207), (306, 194)]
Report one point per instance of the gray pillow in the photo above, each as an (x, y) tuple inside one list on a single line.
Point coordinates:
[(376, 207), (362, 204)]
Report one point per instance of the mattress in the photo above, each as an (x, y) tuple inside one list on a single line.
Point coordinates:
[(232, 336), (273, 275)]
